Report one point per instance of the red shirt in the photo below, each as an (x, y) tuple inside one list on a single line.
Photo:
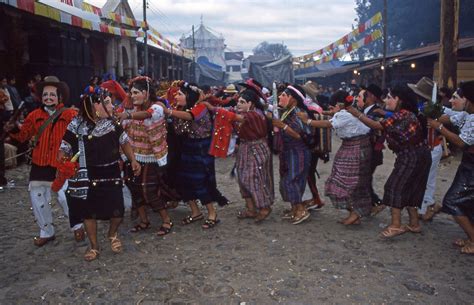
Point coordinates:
[(46, 151), (254, 126)]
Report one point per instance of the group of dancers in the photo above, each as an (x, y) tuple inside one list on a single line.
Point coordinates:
[(162, 146)]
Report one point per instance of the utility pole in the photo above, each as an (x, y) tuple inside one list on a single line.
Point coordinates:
[(194, 56), (384, 62), (172, 64), (145, 40), (448, 43)]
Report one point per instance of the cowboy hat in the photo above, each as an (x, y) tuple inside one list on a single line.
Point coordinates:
[(231, 89), (467, 89), (423, 88), (63, 88), (374, 89)]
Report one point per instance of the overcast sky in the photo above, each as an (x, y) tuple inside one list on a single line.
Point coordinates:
[(304, 26)]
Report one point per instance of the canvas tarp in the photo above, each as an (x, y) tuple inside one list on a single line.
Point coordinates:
[(266, 73), (206, 75)]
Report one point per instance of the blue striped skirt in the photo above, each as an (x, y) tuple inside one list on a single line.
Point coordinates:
[(196, 174), (294, 168)]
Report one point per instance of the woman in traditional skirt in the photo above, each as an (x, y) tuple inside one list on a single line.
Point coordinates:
[(405, 132), (196, 171), (253, 157), (348, 186), (459, 200), (96, 191), (145, 126), (295, 156)]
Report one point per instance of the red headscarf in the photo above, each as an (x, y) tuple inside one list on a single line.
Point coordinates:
[(117, 90)]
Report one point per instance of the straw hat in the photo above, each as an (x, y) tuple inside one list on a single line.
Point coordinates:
[(231, 89)]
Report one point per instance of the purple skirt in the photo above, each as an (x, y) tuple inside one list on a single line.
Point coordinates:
[(348, 186)]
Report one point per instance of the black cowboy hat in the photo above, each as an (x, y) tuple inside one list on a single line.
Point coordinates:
[(467, 89), (63, 88), (374, 89)]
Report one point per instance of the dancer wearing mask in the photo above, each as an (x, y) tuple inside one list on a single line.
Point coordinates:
[(196, 174), (459, 200), (405, 132), (295, 155), (46, 127), (145, 126), (95, 192)]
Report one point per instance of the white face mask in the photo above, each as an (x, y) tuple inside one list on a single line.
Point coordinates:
[(50, 97), (138, 96)]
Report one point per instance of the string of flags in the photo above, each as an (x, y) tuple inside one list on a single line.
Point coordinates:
[(47, 11), (334, 50)]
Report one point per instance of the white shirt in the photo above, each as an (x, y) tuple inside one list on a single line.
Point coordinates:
[(348, 126), (367, 109), (465, 122)]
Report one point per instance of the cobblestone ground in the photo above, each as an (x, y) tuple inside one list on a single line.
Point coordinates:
[(238, 262)]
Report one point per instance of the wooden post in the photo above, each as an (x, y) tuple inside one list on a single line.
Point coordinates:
[(384, 58), (448, 43), (145, 39)]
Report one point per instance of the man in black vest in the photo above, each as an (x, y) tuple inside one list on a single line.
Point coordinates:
[(372, 101)]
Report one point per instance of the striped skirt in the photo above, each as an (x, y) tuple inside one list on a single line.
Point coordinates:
[(406, 184), (255, 176), (151, 187), (348, 186), (294, 168), (196, 175)]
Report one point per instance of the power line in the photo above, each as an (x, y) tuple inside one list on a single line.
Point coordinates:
[(159, 21), (172, 23)]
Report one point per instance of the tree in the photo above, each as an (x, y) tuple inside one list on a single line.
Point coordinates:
[(410, 24), (276, 50)]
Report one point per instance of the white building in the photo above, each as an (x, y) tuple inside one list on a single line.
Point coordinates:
[(209, 47), (233, 62)]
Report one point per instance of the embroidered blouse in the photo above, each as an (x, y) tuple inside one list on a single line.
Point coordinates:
[(200, 127), (101, 143), (148, 137), (403, 131)]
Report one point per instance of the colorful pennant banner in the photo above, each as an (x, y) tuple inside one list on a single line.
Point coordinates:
[(53, 13), (334, 47), (375, 35)]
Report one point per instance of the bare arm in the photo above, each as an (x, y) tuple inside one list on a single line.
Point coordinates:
[(285, 128), (444, 119), (139, 115), (314, 123), (320, 123), (184, 115), (128, 151), (450, 136)]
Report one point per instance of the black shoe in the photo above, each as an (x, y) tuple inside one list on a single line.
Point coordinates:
[(3, 181)]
